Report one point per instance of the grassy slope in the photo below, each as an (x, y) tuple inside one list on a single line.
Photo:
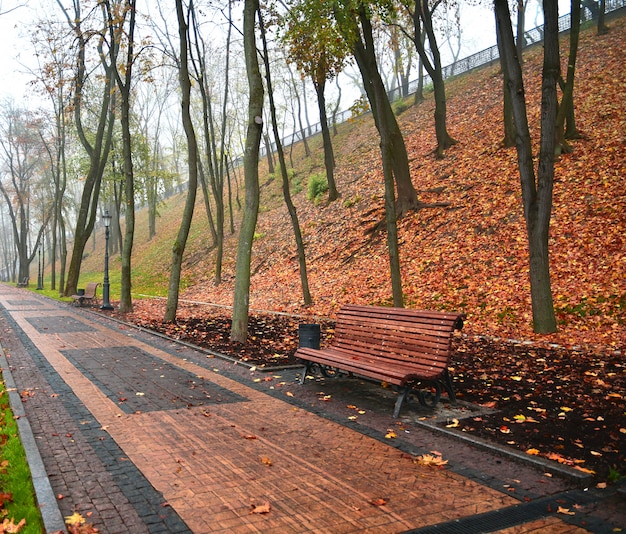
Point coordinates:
[(470, 255)]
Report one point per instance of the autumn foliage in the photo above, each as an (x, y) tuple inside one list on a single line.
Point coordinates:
[(470, 255)]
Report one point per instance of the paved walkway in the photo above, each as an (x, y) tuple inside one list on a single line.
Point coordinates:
[(140, 434)]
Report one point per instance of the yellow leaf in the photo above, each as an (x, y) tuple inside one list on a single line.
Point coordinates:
[(516, 378), (453, 424), (532, 452), (565, 511), (520, 418), (431, 460), (390, 434), (74, 519), (289, 394)]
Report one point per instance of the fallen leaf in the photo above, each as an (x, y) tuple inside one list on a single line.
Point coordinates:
[(10, 527), (378, 502), (266, 461), (261, 508), (565, 511), (430, 460), (74, 519), (390, 434)]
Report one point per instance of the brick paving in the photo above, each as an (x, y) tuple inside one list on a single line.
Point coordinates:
[(139, 434)]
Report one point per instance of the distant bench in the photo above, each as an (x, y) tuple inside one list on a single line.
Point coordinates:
[(403, 347), (88, 297)]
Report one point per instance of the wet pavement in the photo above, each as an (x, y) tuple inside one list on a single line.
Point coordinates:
[(138, 434)]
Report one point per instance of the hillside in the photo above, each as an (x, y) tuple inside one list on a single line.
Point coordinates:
[(470, 256)]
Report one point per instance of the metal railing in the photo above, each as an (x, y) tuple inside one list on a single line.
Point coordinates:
[(461, 66)]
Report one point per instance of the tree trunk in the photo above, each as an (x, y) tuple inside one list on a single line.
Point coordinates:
[(126, 301), (329, 157), (602, 27), (241, 304), (178, 248), (536, 195), (306, 294), (423, 14), (384, 118), (96, 144), (507, 108), (566, 109)]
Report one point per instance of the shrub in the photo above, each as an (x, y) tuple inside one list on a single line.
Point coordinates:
[(318, 185)]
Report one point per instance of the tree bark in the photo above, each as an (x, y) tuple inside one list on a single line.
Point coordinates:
[(124, 85), (507, 108), (241, 304), (96, 144), (566, 108), (384, 118), (423, 14), (536, 194), (304, 280), (178, 248), (329, 156)]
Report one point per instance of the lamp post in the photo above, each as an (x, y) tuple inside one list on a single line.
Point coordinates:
[(39, 275), (106, 305)]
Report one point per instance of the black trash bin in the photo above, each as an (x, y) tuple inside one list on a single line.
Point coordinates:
[(309, 336), (80, 292)]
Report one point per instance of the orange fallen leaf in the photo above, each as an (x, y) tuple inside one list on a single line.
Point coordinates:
[(261, 508), (266, 461), (378, 502), (532, 452), (430, 460), (565, 511)]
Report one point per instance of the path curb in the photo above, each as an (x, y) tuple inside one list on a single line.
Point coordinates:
[(50, 512)]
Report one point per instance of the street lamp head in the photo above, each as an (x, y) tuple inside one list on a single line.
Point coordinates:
[(107, 218)]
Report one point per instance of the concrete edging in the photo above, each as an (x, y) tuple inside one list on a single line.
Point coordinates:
[(46, 500)]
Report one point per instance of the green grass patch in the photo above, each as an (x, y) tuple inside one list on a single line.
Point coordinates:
[(17, 497)]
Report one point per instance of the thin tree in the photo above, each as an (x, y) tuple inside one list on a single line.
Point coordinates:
[(355, 25), (319, 53), (241, 303), (96, 142), (304, 281), (421, 14), (536, 190), (178, 248), (565, 119), (117, 23)]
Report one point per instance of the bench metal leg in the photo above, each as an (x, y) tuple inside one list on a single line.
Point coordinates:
[(449, 386), (305, 372), (402, 395)]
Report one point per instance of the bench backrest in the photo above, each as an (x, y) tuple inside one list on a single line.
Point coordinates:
[(397, 333), (90, 290)]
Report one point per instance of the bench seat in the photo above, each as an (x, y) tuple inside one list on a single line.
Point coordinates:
[(402, 347)]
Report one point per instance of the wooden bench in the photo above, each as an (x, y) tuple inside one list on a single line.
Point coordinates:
[(23, 283), (403, 347), (89, 296)]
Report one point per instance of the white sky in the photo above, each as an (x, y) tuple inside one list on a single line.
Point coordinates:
[(17, 54)]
